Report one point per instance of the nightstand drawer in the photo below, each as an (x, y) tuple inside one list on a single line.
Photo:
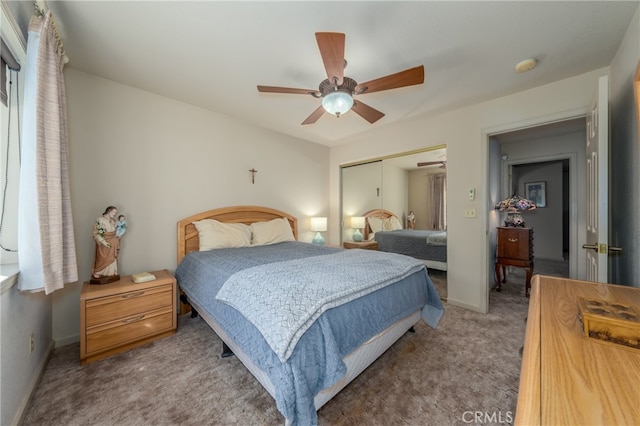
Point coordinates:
[(130, 329), (127, 304)]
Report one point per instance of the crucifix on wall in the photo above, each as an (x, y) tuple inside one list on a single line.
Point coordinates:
[(253, 175)]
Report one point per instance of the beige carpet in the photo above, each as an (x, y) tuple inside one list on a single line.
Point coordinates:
[(469, 364)]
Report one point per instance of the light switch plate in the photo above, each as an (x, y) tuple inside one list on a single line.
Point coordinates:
[(470, 213), (472, 194)]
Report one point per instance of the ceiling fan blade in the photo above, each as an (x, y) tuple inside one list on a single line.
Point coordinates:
[(331, 47), (431, 163), (315, 115), (404, 78), (365, 111), (275, 89)]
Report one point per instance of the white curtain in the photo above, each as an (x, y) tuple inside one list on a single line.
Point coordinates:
[(46, 246), (437, 196)]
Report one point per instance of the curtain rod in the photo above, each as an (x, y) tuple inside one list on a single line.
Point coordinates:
[(40, 7)]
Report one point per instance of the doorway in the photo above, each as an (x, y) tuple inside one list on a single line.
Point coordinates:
[(550, 220), (551, 156)]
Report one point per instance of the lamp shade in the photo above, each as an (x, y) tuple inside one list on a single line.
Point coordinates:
[(357, 222), (337, 103), (513, 206), (319, 224)]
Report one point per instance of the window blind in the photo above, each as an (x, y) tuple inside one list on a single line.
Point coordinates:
[(8, 61)]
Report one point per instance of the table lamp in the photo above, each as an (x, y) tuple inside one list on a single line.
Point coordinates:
[(357, 222), (513, 206), (318, 225)]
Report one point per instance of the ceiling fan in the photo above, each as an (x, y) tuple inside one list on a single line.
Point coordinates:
[(337, 91)]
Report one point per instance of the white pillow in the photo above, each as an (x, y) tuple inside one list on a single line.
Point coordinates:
[(375, 224), (391, 224), (216, 235), (271, 232)]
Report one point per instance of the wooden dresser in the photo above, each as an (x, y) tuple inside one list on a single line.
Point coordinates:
[(515, 248), (569, 379), (121, 315)]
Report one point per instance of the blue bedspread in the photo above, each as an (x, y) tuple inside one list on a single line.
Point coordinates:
[(316, 362), (290, 295)]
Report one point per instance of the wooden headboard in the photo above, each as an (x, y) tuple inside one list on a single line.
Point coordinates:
[(377, 213), (188, 240)]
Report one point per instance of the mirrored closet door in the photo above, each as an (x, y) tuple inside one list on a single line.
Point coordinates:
[(398, 183)]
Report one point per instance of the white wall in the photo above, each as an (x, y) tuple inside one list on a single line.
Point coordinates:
[(465, 132), (624, 177), (158, 161)]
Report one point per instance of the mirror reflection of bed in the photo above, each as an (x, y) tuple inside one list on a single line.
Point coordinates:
[(430, 246)]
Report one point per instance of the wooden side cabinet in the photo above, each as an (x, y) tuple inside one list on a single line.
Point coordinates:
[(121, 315), (367, 245), (515, 248)]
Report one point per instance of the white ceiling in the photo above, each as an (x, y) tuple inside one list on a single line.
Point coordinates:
[(213, 54)]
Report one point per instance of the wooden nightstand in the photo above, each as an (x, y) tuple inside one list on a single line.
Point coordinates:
[(121, 315), (515, 248), (367, 245)]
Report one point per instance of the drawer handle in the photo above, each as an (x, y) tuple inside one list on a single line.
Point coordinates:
[(512, 240), (132, 295), (135, 319)]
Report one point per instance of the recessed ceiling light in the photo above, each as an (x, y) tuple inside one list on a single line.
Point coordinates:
[(526, 65)]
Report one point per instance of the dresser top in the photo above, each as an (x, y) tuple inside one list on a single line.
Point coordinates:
[(568, 378), (90, 291)]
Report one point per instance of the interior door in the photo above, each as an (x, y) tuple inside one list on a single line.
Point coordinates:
[(598, 184)]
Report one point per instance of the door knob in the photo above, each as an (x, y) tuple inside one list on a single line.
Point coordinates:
[(602, 248)]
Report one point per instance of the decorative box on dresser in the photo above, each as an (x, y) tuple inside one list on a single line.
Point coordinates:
[(515, 248), (121, 315), (367, 245)]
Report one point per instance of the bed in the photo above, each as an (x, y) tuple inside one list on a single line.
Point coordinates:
[(336, 343), (429, 246)]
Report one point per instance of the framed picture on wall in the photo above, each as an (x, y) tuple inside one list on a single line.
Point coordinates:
[(536, 192)]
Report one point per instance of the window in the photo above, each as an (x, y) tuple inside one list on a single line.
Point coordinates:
[(8, 63), (12, 55)]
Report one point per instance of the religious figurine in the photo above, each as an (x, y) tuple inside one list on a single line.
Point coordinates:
[(121, 226), (411, 220), (105, 264)]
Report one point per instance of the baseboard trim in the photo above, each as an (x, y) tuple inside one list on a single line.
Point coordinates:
[(67, 340), (26, 398), (460, 304)]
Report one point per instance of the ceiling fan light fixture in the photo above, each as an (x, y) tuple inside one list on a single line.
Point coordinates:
[(337, 103)]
